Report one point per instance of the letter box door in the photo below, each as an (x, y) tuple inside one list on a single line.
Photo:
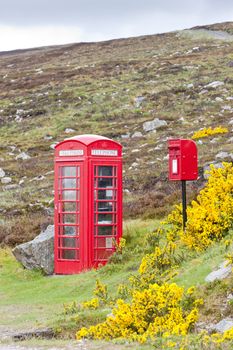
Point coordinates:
[(106, 203), (69, 217)]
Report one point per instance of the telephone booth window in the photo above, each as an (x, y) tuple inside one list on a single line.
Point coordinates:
[(69, 214), (105, 210)]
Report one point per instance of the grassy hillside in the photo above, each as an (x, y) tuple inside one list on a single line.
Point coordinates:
[(30, 300), (110, 88)]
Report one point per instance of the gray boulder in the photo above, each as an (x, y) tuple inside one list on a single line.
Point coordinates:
[(38, 253), (224, 155), (154, 124), (137, 134), (224, 325), (223, 272), (2, 172), (214, 84), (6, 180), (23, 156)]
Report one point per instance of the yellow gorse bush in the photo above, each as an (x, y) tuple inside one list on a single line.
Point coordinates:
[(210, 216), (152, 312), (157, 307), (92, 304), (209, 132)]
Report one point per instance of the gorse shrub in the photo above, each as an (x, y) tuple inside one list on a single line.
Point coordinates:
[(209, 132), (156, 307), (152, 312), (210, 216)]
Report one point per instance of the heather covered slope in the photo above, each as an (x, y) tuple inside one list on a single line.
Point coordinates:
[(111, 88)]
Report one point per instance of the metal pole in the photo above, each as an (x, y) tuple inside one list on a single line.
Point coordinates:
[(184, 203)]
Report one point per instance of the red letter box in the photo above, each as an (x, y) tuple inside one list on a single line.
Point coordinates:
[(88, 202), (182, 160)]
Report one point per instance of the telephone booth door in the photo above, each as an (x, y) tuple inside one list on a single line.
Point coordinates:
[(69, 238), (106, 216)]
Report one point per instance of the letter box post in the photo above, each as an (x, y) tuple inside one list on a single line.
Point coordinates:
[(88, 202), (183, 166)]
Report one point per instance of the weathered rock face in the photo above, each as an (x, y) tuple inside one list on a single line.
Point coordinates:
[(38, 253), (224, 325), (2, 173), (223, 272), (154, 124)]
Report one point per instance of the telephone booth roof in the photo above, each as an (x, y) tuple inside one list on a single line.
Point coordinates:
[(88, 139)]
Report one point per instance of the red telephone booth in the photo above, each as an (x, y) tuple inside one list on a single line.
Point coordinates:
[(88, 202)]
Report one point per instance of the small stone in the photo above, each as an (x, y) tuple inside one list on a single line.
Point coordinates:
[(11, 187), (230, 297), (134, 165), (125, 136), (48, 137), (227, 108), (190, 86), (154, 124), (2, 173), (222, 155), (202, 92), (6, 180), (69, 131), (23, 156), (224, 325), (214, 84), (223, 272), (138, 101), (218, 99), (137, 134)]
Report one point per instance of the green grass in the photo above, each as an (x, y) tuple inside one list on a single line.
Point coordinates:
[(30, 300), (34, 298), (194, 271)]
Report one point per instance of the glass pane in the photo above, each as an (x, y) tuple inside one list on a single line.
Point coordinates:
[(68, 254), (105, 194), (69, 195), (104, 230), (68, 183), (69, 171), (70, 206), (105, 219), (105, 171), (69, 230), (105, 206), (105, 182), (69, 218), (68, 242)]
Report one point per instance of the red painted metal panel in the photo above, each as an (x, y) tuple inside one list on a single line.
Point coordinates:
[(183, 160)]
